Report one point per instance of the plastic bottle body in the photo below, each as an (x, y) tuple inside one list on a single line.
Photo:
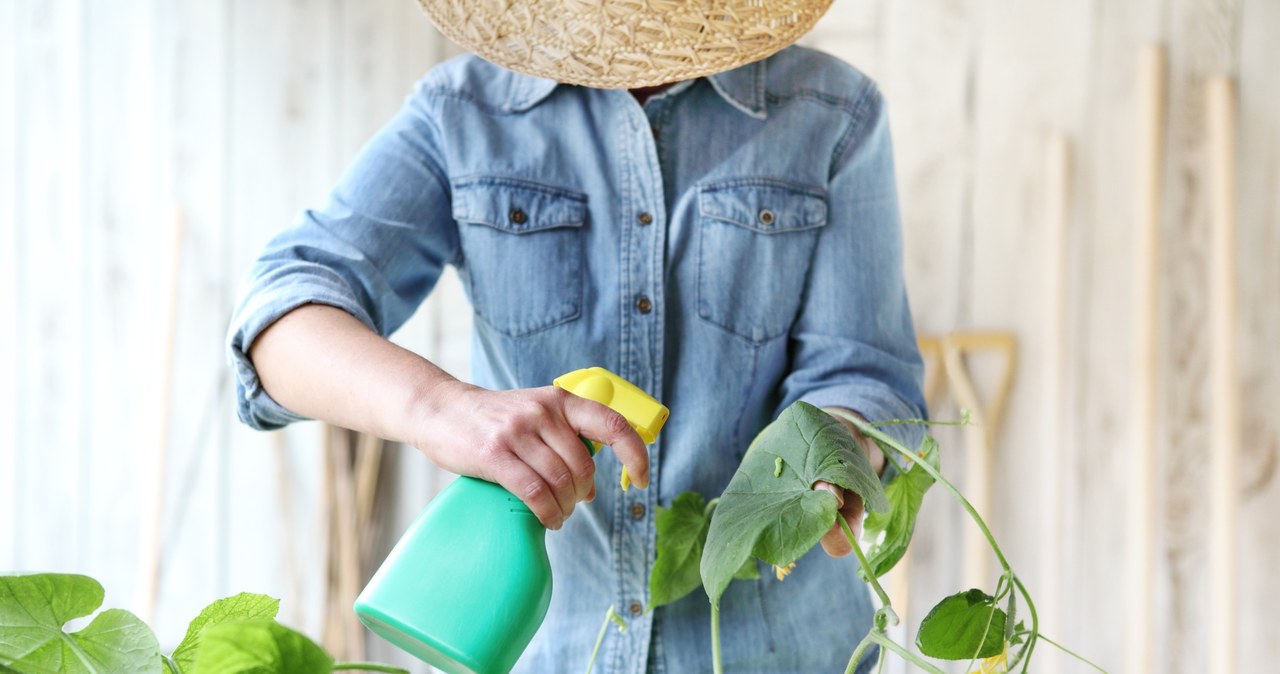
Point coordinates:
[(467, 586)]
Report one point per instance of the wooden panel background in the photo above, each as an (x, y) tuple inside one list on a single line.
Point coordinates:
[(119, 119)]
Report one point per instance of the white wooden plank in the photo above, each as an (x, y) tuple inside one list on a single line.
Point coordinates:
[(930, 55), (1030, 83), (191, 132), (51, 422), (122, 288), (1100, 409), (853, 33), (1260, 323), (10, 159), (1054, 456), (1205, 37), (280, 161), (1143, 465), (1224, 376)]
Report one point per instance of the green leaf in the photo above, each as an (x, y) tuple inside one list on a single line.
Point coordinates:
[(243, 606), (963, 626), (890, 532), (259, 647), (33, 609), (750, 570), (778, 518), (681, 532), (1018, 631)]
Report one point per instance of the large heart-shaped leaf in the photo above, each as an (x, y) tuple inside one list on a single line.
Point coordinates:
[(890, 532), (33, 609), (770, 509), (243, 606), (259, 647)]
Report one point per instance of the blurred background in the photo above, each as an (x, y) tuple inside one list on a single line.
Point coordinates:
[(149, 148)]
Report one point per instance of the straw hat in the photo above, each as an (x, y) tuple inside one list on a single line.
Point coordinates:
[(623, 44)]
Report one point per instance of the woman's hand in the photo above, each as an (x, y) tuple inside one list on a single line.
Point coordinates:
[(527, 440), (834, 541), (320, 362)]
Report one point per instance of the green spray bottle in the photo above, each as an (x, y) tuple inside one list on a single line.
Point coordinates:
[(469, 583)]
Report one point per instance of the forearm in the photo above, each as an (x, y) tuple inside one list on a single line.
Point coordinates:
[(321, 362)]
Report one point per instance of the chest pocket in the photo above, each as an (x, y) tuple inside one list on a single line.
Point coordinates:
[(756, 240), (523, 250)]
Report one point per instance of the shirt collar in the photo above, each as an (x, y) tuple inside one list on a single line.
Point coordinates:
[(742, 87)]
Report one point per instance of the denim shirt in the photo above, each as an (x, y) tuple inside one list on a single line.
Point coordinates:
[(730, 246)]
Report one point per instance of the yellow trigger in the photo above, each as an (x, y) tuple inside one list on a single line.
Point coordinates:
[(645, 414)]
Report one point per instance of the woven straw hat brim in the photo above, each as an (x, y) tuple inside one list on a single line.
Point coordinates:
[(623, 44)]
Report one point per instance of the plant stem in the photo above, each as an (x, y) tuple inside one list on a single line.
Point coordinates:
[(1072, 653), (1024, 656), (867, 570), (369, 667), (859, 651), (1035, 621), (919, 422), (885, 642), (609, 616), (716, 663), (869, 430), (885, 440)]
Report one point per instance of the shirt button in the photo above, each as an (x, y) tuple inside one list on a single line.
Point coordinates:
[(637, 510), (644, 305), (767, 217), (518, 216), (645, 218), (636, 608)]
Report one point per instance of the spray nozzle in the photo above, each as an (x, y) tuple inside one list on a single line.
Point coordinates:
[(645, 414)]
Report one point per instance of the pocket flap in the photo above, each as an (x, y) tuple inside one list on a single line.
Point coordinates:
[(517, 206), (764, 205)]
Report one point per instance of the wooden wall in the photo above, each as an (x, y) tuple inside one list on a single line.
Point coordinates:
[(976, 91), (118, 119)]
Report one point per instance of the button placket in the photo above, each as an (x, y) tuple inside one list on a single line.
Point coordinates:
[(643, 242)]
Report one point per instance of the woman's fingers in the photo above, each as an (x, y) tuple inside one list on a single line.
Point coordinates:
[(576, 457), (597, 422), (548, 464), (834, 542), (526, 484)]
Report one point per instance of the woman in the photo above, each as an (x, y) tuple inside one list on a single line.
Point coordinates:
[(725, 236)]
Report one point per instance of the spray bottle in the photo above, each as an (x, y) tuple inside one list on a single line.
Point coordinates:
[(468, 585)]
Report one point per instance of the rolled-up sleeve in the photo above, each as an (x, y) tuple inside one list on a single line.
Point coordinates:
[(853, 344), (374, 250)]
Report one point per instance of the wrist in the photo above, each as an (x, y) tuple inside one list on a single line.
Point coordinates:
[(428, 401)]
